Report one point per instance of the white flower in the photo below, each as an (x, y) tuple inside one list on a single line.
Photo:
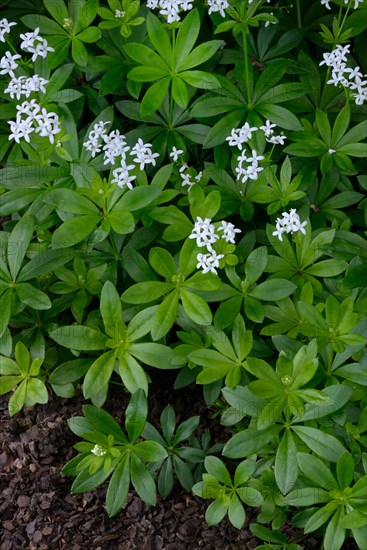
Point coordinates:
[(204, 233), (229, 231), (208, 262), (98, 450), (20, 129), (119, 14), (67, 23), (8, 63), (336, 60), (121, 175), (5, 28), (218, 5), (326, 3), (48, 124), (29, 38), (144, 154), (268, 128), (41, 50), (276, 140), (289, 223), (175, 154), (115, 146), (95, 136), (170, 8), (241, 135), (331, 151), (35, 44)]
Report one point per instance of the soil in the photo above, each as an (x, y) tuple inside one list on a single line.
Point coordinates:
[(38, 512)]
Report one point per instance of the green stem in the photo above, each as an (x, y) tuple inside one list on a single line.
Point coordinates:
[(247, 74), (299, 17), (171, 95)]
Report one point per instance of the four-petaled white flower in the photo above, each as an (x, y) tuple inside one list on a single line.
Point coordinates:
[(289, 223), (174, 154), (5, 28)]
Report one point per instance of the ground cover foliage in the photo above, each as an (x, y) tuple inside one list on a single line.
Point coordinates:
[(182, 188)]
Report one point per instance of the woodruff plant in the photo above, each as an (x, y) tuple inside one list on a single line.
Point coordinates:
[(183, 187)]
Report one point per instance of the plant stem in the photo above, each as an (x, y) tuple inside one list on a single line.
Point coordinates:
[(299, 17), (247, 74)]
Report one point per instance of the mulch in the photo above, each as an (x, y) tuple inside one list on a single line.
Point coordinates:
[(38, 512)]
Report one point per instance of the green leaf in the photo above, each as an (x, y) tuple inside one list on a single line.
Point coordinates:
[(244, 471), (186, 37), (32, 297), (316, 471), (335, 533), (186, 429), (136, 415), (165, 315), (145, 56), (180, 92), (165, 479), (154, 97), (147, 291), (18, 243), (79, 52), (7, 383), (68, 200), (74, 230), (327, 268), (155, 355), (99, 374), (200, 79), (340, 125), (262, 533), (216, 512), (248, 442), (200, 54), (17, 399), (142, 480), (6, 301), (307, 496), (162, 262), (86, 482), (101, 421), (236, 513), (118, 487), (216, 468), (37, 391), (255, 264), (273, 290), (286, 468), (159, 38), (345, 470), (79, 338), (196, 307), (323, 444), (150, 451), (131, 372), (168, 422), (111, 312), (279, 115), (250, 496), (90, 35)]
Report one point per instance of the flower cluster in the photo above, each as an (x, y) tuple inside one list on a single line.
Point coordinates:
[(32, 118), (114, 146), (4, 28), (8, 63), (353, 79), (289, 223), (35, 44), (170, 8), (206, 235), (248, 166), (98, 450), (326, 3), (25, 86), (218, 5)]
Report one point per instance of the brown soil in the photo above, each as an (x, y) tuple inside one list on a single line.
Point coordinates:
[(38, 512)]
